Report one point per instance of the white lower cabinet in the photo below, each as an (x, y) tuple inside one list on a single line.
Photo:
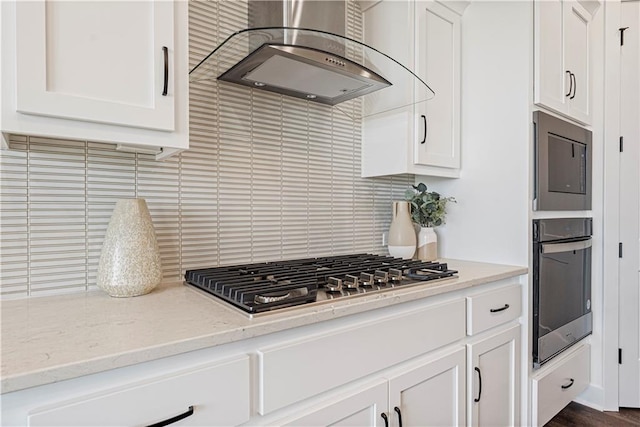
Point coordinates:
[(400, 365), (362, 407), (432, 378), (494, 379), (353, 352), (425, 392), (486, 310), (430, 394), (212, 395), (556, 384)]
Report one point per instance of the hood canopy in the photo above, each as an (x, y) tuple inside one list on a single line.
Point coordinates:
[(315, 65)]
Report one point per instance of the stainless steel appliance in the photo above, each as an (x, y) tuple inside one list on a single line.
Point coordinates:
[(300, 48), (562, 165), (561, 285), (268, 286)]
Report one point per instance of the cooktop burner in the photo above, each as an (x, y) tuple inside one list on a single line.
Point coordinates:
[(262, 287)]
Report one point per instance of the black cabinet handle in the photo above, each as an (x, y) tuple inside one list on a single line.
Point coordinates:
[(174, 419), (480, 384), (570, 83), (566, 386), (622, 35), (399, 416), (424, 120), (495, 310), (575, 85), (165, 50), (386, 419)]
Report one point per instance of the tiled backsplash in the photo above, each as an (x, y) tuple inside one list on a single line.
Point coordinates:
[(265, 178)]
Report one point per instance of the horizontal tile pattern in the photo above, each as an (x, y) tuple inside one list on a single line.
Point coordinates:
[(265, 178), (14, 224)]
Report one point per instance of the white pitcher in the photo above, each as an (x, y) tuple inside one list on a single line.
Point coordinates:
[(402, 235)]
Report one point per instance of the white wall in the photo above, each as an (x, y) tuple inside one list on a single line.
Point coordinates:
[(489, 222), (594, 396), (611, 200)]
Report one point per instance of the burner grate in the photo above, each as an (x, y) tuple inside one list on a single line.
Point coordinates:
[(261, 287)]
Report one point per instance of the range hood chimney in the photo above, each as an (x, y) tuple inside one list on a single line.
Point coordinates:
[(299, 48)]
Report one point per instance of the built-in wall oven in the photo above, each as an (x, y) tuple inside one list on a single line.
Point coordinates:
[(562, 165), (561, 285)]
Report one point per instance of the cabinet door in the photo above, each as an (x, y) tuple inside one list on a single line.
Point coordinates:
[(387, 28), (576, 42), (562, 78), (215, 395), (361, 408), (437, 124), (101, 61), (431, 394), (494, 379), (551, 82)]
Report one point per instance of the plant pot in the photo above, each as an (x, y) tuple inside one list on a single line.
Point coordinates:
[(427, 244), (402, 236)]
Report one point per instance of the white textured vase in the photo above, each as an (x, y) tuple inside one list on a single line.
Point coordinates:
[(130, 258), (427, 244), (402, 236)]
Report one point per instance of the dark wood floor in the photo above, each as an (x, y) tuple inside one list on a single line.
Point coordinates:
[(583, 416)]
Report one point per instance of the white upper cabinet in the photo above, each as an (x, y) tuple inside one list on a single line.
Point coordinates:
[(423, 137), (388, 27), (562, 77), (438, 64), (101, 71), (74, 63)]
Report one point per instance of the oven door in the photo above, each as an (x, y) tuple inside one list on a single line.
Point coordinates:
[(562, 296)]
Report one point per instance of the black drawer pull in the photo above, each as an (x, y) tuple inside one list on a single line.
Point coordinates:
[(495, 310), (564, 387), (174, 419), (575, 86), (570, 83), (385, 418), (479, 384), (399, 416), (165, 50)]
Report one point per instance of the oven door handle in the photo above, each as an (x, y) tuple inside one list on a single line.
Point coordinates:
[(554, 248)]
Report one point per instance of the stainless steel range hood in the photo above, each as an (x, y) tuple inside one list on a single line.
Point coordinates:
[(310, 74), (299, 48)]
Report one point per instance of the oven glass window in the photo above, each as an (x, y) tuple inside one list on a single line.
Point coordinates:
[(564, 288), (567, 165)]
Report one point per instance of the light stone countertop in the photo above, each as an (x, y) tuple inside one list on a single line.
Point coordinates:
[(50, 339)]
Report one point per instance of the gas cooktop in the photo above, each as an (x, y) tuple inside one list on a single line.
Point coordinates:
[(265, 287)]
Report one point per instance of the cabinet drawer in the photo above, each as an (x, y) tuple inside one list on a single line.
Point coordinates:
[(559, 384), (218, 393), (489, 309), (297, 370)]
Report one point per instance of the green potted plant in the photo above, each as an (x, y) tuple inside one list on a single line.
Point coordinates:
[(428, 210)]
